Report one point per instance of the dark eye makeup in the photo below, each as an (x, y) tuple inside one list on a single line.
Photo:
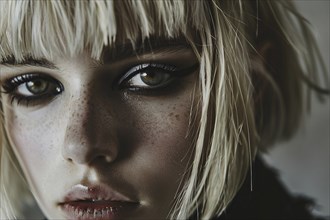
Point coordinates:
[(33, 87), (152, 76), (38, 88)]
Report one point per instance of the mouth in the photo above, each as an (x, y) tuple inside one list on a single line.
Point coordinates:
[(97, 203), (100, 210)]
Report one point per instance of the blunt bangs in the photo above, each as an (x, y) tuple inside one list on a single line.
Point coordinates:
[(64, 28)]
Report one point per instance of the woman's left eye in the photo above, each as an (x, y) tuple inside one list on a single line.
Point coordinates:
[(147, 76)]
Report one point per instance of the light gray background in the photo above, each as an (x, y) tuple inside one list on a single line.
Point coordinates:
[(304, 161)]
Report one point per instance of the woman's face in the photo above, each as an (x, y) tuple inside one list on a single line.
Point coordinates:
[(104, 141)]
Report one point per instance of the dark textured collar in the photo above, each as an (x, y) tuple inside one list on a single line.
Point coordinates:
[(269, 199)]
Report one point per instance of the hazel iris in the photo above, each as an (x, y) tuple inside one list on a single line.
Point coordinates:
[(38, 86), (153, 78)]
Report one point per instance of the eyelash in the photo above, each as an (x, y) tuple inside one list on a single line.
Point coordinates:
[(11, 86)]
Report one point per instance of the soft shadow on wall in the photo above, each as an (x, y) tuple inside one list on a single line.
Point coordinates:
[(303, 162)]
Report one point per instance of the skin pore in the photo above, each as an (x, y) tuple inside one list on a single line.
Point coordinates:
[(122, 123)]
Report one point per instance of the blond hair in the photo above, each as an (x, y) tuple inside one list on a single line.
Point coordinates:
[(245, 101)]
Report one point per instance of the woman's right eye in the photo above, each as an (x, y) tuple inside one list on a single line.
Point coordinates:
[(31, 87)]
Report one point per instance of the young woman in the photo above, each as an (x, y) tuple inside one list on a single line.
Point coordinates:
[(150, 109)]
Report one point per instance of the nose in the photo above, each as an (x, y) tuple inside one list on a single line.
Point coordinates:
[(90, 134)]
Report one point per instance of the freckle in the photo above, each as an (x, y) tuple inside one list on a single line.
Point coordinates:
[(177, 117), (171, 114)]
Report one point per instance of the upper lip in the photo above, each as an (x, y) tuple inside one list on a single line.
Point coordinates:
[(95, 192)]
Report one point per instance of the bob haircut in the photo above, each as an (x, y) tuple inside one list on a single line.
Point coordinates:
[(246, 103)]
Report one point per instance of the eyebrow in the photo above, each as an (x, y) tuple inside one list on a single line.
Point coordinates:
[(125, 50), (28, 61)]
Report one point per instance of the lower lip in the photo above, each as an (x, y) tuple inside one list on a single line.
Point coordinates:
[(97, 210)]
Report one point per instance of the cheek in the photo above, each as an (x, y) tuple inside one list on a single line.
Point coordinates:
[(33, 137), (27, 138), (165, 129), (162, 146)]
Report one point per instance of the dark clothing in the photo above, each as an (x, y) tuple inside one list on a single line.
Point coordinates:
[(268, 200)]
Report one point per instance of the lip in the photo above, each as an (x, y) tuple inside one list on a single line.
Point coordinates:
[(97, 202)]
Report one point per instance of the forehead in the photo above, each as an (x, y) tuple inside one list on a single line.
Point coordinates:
[(53, 28)]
